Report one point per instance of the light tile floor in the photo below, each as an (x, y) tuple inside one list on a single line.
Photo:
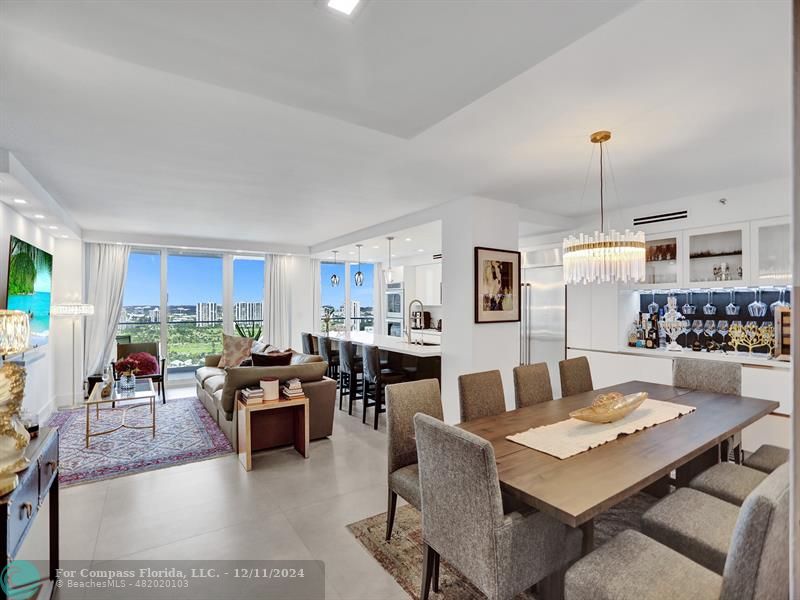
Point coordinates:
[(286, 507)]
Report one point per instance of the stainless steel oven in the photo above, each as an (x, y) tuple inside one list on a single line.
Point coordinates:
[(394, 301), (394, 327)]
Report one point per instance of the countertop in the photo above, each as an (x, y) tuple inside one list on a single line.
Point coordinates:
[(740, 357), (388, 343)]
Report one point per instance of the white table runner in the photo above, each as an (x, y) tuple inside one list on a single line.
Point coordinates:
[(571, 436)]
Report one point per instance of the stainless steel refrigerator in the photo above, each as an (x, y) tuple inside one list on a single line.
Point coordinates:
[(543, 315)]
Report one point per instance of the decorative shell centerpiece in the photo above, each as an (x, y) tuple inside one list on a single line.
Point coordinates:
[(607, 408)]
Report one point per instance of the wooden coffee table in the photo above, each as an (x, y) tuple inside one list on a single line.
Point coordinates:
[(244, 424), (144, 390)]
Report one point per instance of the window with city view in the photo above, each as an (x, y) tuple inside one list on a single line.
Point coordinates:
[(140, 319), (248, 295), (194, 309), (333, 298)]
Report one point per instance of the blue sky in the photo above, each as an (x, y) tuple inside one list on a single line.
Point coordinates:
[(192, 279)]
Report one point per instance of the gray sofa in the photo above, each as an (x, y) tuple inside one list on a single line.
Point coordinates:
[(216, 389)]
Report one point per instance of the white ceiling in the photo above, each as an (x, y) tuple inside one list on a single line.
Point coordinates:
[(419, 243), (273, 122)]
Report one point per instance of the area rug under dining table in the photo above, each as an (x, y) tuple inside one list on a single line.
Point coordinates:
[(402, 556), (185, 433)]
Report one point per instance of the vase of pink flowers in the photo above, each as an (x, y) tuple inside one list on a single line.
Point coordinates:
[(126, 369)]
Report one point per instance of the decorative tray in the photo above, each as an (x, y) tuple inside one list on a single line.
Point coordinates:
[(607, 408)]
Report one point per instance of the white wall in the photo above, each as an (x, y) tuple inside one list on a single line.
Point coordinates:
[(68, 270), (468, 347), (39, 363)]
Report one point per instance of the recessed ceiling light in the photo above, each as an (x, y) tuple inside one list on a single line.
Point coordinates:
[(408, 239), (38, 216), (420, 249), (375, 247), (64, 235), (52, 227), (343, 6), (20, 201), (351, 253)]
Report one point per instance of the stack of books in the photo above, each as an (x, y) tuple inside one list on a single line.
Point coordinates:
[(252, 395), (292, 389)]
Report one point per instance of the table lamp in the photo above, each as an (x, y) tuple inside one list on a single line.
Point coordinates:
[(15, 333), (74, 310)]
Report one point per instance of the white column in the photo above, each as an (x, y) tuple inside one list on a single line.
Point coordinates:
[(468, 347), (65, 353)]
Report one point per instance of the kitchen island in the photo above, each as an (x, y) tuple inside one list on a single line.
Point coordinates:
[(425, 358)]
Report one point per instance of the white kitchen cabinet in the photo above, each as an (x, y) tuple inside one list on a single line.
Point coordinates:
[(717, 256), (663, 267), (771, 252), (429, 284)]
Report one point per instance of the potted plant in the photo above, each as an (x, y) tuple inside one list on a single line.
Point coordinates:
[(327, 319)]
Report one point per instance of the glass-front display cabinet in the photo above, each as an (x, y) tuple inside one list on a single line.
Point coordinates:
[(771, 252), (662, 268), (715, 256)]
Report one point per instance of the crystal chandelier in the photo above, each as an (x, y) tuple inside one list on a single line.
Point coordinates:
[(604, 256), (388, 275), (334, 277), (359, 276)]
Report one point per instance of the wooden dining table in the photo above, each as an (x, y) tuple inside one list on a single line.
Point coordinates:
[(577, 489)]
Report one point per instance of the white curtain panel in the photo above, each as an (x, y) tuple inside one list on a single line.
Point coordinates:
[(277, 320), (107, 267), (316, 290), (379, 299)]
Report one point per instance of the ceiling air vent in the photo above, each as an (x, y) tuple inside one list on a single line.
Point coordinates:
[(672, 216), (437, 256)]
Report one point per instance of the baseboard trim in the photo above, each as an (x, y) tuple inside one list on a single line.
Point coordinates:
[(46, 411)]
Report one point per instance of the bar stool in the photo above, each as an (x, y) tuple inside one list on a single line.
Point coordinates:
[(308, 343), (329, 355), (375, 380), (350, 367)]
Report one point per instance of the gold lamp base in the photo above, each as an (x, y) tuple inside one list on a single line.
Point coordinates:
[(8, 483)]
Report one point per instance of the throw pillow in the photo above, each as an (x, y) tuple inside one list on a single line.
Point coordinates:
[(272, 359), (259, 346), (235, 349)]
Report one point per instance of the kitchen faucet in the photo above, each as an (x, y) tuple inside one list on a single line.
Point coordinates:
[(420, 341)]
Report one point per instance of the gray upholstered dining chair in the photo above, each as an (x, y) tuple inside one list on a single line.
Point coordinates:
[(767, 458), (463, 520), (403, 401), (733, 483), (532, 384), (635, 566), (701, 527), (481, 395), (714, 376), (576, 376)]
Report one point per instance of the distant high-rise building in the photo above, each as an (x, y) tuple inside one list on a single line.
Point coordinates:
[(206, 313), (355, 314), (248, 311), (153, 314)]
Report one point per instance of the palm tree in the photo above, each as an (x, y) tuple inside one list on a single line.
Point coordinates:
[(25, 262)]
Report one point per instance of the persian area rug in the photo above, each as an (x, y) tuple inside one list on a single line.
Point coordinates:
[(402, 557), (185, 433)]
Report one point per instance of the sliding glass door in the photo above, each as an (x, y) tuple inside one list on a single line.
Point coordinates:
[(194, 309), (185, 300)]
